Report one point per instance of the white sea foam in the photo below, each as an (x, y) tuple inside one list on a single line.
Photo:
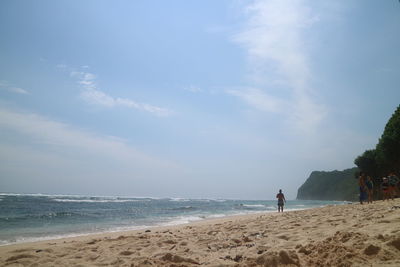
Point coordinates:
[(253, 205), (177, 199), (18, 240), (69, 196), (217, 216), (219, 200), (182, 220), (20, 194), (96, 200)]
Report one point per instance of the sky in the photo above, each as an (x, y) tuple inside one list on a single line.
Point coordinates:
[(197, 99)]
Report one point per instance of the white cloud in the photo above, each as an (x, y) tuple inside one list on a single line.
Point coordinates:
[(17, 90), (97, 97), (92, 95), (259, 99), (45, 151), (85, 79), (44, 131), (273, 37)]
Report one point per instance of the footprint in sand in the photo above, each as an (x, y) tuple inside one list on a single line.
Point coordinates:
[(126, 253), (20, 256)]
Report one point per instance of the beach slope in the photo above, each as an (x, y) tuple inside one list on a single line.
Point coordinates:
[(346, 235)]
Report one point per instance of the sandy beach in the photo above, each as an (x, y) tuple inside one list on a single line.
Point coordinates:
[(345, 235)]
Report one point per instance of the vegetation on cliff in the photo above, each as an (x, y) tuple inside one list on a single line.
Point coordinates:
[(334, 185)]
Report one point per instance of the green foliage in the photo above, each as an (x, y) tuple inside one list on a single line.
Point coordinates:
[(388, 147), (386, 156), (334, 185), (367, 162)]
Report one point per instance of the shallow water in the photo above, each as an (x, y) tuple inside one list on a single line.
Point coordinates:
[(32, 217)]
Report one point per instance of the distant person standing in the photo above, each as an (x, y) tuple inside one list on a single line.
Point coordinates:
[(281, 200), (361, 183), (393, 181), (385, 188), (370, 188)]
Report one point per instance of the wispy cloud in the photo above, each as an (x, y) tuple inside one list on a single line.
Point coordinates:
[(10, 88), (273, 37), (48, 153), (18, 90), (48, 132), (93, 95), (259, 99), (98, 97)]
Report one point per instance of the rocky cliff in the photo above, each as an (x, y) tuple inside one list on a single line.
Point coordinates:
[(333, 185)]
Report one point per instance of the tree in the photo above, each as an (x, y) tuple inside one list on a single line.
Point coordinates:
[(388, 147), (385, 157), (367, 162)]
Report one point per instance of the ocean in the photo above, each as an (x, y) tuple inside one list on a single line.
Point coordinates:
[(34, 217)]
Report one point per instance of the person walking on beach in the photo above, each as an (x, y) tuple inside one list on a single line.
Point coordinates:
[(370, 189), (281, 199)]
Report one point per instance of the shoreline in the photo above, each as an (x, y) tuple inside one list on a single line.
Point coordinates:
[(344, 235), (139, 229), (179, 220)]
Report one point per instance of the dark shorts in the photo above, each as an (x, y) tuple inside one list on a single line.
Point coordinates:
[(280, 203), (363, 194)]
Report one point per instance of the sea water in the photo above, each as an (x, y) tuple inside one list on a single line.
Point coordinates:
[(33, 217)]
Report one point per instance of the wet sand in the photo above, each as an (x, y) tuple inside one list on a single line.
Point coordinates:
[(346, 235)]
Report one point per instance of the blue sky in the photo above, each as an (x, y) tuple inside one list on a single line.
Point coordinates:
[(229, 99)]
